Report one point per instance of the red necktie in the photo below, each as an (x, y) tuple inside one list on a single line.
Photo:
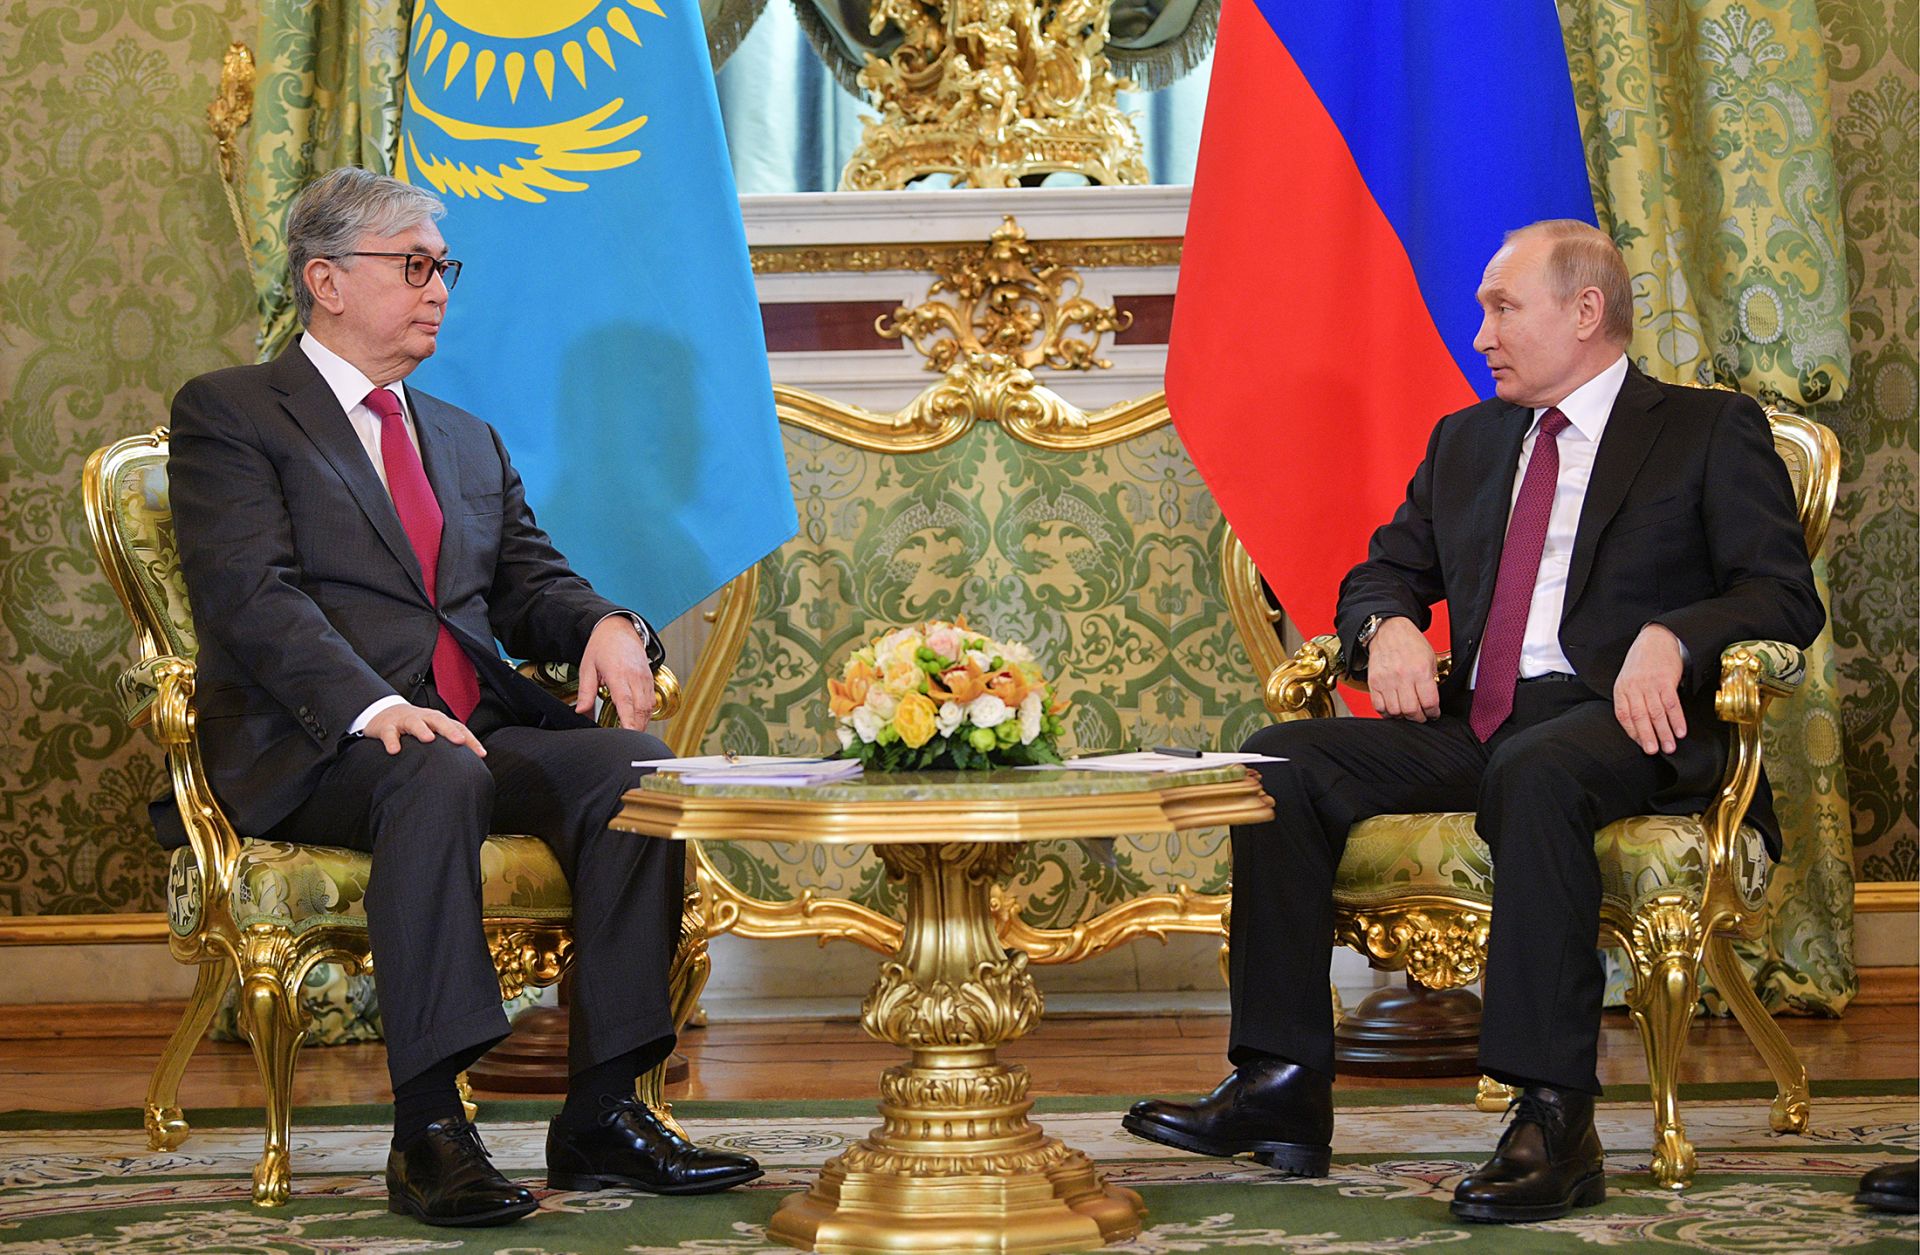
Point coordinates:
[(413, 499), (1513, 589)]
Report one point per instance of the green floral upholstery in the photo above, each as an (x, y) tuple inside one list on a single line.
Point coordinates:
[(1397, 856), (143, 515), (303, 886), (1105, 561)]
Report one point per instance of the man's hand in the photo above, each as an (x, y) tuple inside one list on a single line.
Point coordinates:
[(1646, 695), (422, 723), (1400, 672), (617, 661)]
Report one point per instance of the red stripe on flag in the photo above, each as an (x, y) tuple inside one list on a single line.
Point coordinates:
[(1304, 372)]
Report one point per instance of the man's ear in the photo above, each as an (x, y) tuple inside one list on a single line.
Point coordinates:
[(1589, 311), (323, 280)]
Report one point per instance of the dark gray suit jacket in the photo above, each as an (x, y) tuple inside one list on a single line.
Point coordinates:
[(1688, 522), (307, 596)]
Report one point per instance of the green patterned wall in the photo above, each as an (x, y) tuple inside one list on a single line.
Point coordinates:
[(120, 277)]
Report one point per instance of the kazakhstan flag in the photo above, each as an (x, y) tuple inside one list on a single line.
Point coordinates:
[(606, 321)]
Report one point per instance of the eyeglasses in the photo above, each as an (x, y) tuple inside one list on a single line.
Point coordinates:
[(421, 267)]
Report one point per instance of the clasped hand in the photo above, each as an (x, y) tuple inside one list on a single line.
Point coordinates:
[(1646, 695)]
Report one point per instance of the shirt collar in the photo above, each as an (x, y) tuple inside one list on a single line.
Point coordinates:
[(345, 379), (1588, 406)]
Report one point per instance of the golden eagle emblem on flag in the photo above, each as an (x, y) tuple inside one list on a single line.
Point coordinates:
[(477, 124)]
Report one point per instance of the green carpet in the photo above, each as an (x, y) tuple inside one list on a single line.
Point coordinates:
[(86, 1183)]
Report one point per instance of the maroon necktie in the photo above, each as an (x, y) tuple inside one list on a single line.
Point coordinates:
[(413, 500), (1513, 589)]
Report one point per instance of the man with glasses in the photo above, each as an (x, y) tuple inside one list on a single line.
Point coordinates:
[(353, 548)]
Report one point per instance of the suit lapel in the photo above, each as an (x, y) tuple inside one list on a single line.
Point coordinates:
[(442, 459), (1491, 503), (312, 404), (1631, 430)]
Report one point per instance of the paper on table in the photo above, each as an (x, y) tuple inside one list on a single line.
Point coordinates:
[(787, 775), (1147, 760), (721, 762)]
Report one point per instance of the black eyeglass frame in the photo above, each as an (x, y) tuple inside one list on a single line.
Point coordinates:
[(446, 267)]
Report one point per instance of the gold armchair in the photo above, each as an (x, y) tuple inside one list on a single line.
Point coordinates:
[(264, 912), (1415, 891)]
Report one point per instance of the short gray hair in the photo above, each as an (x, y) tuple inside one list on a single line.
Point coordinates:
[(1584, 257), (331, 214)]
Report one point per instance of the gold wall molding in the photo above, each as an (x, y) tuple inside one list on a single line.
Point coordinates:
[(83, 930), (1886, 897), (1094, 254)]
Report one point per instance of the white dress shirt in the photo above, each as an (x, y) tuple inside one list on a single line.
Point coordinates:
[(1587, 409), (350, 387)]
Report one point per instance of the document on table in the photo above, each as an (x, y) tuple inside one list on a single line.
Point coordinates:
[(763, 770), (1151, 760)]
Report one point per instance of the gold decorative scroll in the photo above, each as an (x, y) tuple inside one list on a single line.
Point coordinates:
[(994, 93)]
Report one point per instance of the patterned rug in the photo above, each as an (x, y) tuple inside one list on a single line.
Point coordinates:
[(83, 1184)]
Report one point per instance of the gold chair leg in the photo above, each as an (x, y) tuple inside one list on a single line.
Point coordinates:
[(269, 1014), (1792, 1101), (1493, 1096), (686, 981), (167, 1126), (1664, 949), (467, 1105)]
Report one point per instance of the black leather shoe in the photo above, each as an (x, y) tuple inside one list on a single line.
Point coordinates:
[(444, 1177), (629, 1146), (1891, 1187), (1279, 1111), (1549, 1161)]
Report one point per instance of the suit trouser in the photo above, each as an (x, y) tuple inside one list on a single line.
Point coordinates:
[(423, 814), (1559, 770)]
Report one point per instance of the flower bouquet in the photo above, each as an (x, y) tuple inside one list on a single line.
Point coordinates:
[(942, 695)]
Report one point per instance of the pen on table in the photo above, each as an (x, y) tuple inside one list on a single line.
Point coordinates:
[(1177, 751)]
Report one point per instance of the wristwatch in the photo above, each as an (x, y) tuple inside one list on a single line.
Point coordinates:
[(1365, 638)]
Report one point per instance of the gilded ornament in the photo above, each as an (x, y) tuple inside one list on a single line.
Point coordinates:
[(994, 92), (806, 259)]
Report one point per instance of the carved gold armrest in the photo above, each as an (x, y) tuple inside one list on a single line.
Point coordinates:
[(1302, 687), (159, 691), (562, 679), (1752, 674)]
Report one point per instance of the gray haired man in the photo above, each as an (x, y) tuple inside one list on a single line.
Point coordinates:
[(353, 549)]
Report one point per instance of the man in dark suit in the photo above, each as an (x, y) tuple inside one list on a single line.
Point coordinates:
[(352, 549), (1599, 538)]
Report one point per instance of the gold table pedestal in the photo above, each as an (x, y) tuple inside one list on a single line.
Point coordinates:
[(956, 1164)]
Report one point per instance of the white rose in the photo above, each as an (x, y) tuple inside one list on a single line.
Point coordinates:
[(980, 660), (1014, 651), (846, 737), (1029, 718), (882, 703), (949, 718), (987, 711), (866, 724)]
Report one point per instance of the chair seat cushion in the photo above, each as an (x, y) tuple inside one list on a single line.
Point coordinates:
[(309, 886), (1397, 856)]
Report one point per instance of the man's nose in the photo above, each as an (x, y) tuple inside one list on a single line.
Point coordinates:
[(1484, 339)]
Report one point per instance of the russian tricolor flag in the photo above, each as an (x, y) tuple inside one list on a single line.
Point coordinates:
[(1359, 164)]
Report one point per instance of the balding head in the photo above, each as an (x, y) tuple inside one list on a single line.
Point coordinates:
[(1581, 256)]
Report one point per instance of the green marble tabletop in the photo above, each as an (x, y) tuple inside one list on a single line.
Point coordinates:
[(954, 786)]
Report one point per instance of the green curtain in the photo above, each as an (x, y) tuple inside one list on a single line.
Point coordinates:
[(1709, 143), (326, 94)]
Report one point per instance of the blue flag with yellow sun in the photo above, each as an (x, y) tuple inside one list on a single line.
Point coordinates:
[(605, 319)]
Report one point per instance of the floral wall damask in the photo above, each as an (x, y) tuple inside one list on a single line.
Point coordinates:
[(120, 276)]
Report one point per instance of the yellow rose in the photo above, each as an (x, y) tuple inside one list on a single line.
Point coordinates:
[(916, 721)]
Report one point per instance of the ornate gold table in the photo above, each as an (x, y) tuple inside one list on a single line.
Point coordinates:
[(955, 1165)]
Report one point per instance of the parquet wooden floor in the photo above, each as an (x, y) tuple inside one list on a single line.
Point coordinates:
[(100, 1058)]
